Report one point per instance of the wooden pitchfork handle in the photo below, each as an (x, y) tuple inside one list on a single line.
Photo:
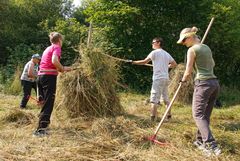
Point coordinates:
[(124, 60)]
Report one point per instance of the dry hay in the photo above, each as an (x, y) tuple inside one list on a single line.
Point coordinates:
[(186, 91), (108, 135), (18, 117), (125, 130), (90, 89)]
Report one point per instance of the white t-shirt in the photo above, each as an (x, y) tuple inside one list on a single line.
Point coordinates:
[(24, 75), (160, 60)]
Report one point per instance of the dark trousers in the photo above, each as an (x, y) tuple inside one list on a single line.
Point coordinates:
[(47, 84), (27, 88), (204, 96)]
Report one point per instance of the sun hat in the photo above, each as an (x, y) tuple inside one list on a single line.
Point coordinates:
[(36, 56), (185, 35)]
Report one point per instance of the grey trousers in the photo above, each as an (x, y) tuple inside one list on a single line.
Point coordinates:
[(204, 96)]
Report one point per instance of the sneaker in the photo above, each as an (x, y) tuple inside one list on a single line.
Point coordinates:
[(211, 149), (198, 144), (40, 133), (168, 118)]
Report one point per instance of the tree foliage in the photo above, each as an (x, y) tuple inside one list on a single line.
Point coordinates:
[(124, 28)]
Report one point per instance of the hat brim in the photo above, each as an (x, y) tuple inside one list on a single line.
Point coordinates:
[(180, 39), (37, 58)]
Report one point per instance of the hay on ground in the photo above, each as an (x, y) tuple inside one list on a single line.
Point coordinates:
[(186, 91), (18, 117), (90, 90)]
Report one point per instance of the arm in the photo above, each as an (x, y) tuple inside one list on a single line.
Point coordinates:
[(172, 64), (58, 65), (30, 71), (189, 66), (142, 62)]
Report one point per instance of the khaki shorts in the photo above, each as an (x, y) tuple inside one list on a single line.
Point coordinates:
[(159, 90)]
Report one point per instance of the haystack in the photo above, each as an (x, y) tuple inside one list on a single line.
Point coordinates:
[(89, 90), (186, 91)]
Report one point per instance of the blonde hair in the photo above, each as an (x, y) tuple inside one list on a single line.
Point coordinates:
[(188, 30), (55, 37)]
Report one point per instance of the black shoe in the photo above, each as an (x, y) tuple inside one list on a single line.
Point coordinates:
[(153, 118), (168, 118), (22, 107), (40, 133)]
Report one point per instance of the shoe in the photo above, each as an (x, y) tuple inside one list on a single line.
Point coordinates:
[(40, 133), (198, 144), (168, 118), (153, 118), (22, 107), (211, 149)]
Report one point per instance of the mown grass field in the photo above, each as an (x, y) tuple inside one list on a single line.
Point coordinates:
[(118, 138)]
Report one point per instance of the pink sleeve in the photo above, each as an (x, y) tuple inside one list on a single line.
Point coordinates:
[(57, 51)]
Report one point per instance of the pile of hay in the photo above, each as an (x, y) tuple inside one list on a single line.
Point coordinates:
[(90, 89), (125, 130), (186, 91), (18, 117)]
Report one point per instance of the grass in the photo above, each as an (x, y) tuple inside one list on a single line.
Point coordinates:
[(119, 138)]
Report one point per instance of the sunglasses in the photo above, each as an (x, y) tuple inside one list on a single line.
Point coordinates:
[(184, 39), (154, 42)]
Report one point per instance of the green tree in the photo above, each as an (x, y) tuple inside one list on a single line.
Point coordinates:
[(225, 40), (130, 25)]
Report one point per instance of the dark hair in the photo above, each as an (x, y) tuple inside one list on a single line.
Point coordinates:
[(159, 39)]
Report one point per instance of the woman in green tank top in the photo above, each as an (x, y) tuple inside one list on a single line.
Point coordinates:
[(206, 88)]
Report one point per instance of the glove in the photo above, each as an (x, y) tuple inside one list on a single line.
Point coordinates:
[(129, 61), (182, 81)]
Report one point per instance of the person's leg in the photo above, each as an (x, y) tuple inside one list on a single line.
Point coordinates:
[(201, 96), (40, 91), (164, 87), (48, 83), (154, 98), (212, 99), (26, 85), (34, 86)]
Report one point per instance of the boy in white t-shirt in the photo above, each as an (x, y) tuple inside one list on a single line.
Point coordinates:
[(161, 61)]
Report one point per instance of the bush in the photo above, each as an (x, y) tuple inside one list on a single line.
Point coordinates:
[(229, 96)]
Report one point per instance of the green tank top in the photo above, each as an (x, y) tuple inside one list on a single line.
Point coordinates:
[(204, 62)]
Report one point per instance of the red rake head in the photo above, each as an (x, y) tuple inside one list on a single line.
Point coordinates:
[(154, 140)]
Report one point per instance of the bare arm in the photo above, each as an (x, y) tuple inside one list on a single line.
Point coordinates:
[(172, 64), (58, 65), (142, 62), (30, 71), (189, 66)]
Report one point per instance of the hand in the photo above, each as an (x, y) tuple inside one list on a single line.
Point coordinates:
[(67, 69), (182, 81)]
